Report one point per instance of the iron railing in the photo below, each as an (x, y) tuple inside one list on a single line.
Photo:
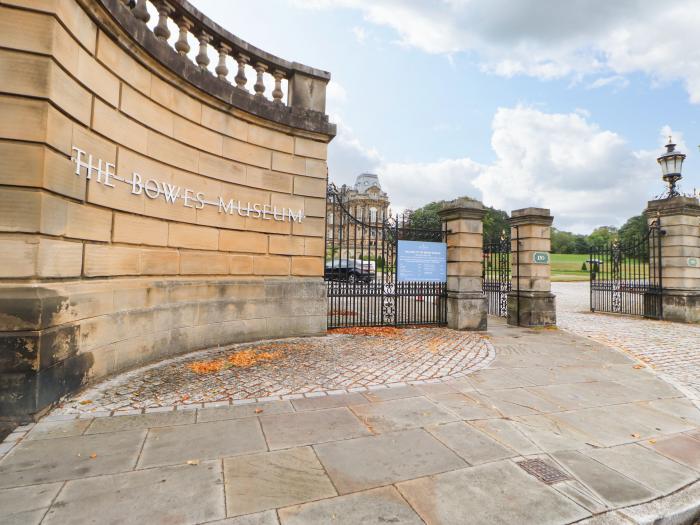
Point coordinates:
[(360, 271), (626, 278)]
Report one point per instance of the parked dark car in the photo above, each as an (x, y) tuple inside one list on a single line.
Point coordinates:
[(350, 270)]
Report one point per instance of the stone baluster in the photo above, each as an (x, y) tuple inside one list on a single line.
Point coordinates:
[(259, 86), (182, 46), (241, 79), (140, 11), (221, 69), (277, 92), (202, 58), (164, 11)]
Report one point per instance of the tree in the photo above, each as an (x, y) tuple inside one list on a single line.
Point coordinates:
[(426, 218), (495, 225), (495, 221), (602, 236), (634, 229)]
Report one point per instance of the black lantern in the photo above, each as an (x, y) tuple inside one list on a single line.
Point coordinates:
[(671, 163)]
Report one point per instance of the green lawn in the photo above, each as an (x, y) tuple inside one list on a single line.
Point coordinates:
[(567, 267)]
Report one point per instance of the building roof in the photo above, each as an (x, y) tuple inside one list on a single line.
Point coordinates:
[(365, 181)]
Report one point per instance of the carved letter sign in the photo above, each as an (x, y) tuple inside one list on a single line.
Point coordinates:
[(104, 173)]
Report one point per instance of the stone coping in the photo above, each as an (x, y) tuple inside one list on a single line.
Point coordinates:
[(290, 115)]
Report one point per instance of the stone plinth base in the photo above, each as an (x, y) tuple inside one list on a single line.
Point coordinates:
[(535, 309), (56, 338), (681, 306), (466, 310)]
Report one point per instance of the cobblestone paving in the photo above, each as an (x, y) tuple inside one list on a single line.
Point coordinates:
[(302, 366), (672, 349)]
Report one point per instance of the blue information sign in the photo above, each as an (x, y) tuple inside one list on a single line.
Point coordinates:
[(422, 261)]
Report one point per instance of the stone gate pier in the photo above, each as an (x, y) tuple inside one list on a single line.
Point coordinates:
[(679, 220), (152, 201), (466, 303), (531, 301)]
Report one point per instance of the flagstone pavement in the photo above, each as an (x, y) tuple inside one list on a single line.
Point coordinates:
[(672, 349), (616, 444)]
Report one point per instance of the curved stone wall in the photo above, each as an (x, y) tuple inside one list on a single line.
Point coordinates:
[(149, 205)]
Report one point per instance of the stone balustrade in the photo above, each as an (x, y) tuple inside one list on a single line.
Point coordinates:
[(227, 76)]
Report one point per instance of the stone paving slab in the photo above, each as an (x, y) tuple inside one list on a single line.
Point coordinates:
[(467, 406), (683, 449), (468, 496), (26, 505), (383, 505), (470, 444), (140, 421), (514, 401), (400, 414), (308, 428), (269, 517), (362, 463), (611, 486), (239, 411), (182, 494), (645, 466), (551, 434), (44, 461), (57, 429), (581, 494), (317, 403), (507, 434), (173, 445), (389, 394), (277, 479), (615, 425)]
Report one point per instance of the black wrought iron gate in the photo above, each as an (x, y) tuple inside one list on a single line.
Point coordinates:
[(626, 278), (360, 270), (496, 275)]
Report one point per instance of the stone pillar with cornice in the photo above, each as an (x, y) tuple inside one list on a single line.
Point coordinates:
[(679, 218), (466, 303), (531, 302)]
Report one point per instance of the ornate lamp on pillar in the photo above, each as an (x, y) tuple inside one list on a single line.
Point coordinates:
[(679, 218), (671, 163)]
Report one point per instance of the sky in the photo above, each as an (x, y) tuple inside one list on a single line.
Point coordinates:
[(560, 105)]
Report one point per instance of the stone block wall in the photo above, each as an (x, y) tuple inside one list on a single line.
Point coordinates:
[(97, 274)]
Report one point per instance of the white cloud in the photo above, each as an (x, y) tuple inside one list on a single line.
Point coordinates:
[(360, 34), (586, 175), (347, 156), (336, 96), (616, 82), (551, 38)]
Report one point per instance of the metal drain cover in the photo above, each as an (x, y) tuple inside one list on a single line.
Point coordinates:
[(543, 471)]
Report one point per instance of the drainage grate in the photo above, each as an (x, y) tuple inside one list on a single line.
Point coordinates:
[(543, 471)]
